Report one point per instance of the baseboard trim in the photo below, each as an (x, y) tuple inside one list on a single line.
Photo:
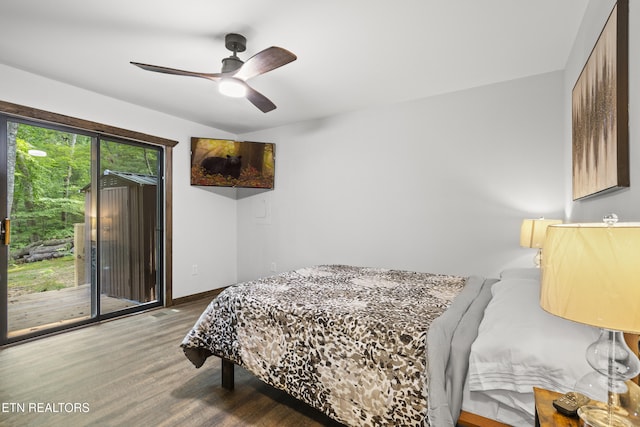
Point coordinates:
[(195, 297)]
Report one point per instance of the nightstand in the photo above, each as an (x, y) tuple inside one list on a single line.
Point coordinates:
[(546, 414)]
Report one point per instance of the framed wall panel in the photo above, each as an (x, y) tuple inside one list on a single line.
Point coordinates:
[(600, 117)]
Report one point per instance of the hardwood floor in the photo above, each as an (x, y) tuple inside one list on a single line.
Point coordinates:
[(131, 371)]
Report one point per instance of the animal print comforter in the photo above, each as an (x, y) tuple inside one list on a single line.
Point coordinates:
[(349, 341)]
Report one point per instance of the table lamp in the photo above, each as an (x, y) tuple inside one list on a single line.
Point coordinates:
[(591, 274), (532, 234)]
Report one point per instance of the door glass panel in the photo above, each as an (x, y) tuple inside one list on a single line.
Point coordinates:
[(47, 284), (128, 225), (86, 234)]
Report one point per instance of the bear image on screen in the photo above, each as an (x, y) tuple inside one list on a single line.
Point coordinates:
[(226, 166), (226, 163)]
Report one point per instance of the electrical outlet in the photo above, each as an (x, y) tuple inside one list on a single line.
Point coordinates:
[(274, 267), (194, 270)]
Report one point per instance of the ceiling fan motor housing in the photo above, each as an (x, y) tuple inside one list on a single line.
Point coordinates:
[(232, 63), (235, 43)]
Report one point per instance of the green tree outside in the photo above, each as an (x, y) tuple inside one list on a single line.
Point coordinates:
[(47, 196)]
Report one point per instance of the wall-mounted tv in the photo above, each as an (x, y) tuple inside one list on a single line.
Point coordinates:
[(226, 163)]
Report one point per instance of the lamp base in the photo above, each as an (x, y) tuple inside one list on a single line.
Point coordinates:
[(615, 399), (602, 416)]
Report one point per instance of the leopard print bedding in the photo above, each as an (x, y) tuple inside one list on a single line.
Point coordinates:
[(349, 341)]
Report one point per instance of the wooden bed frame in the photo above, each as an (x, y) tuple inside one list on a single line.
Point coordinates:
[(466, 419)]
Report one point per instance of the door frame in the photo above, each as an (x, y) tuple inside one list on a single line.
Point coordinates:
[(10, 111)]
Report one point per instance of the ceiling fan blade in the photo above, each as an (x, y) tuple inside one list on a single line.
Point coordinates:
[(259, 100), (263, 61), (167, 70)]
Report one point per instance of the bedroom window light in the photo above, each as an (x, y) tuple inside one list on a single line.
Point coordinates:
[(590, 275), (37, 153), (532, 234)]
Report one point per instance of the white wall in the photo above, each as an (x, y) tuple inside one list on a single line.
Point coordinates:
[(438, 185), (204, 223), (624, 202)]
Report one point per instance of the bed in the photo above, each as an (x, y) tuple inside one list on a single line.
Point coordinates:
[(380, 347)]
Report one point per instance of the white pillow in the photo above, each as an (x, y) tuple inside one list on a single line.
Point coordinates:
[(520, 346)]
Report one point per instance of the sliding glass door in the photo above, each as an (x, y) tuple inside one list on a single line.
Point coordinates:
[(129, 218), (81, 227)]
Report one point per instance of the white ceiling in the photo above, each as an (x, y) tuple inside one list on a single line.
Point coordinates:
[(352, 54)]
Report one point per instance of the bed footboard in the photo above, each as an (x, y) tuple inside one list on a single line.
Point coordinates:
[(227, 374)]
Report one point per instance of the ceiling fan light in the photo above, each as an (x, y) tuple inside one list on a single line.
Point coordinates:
[(232, 88)]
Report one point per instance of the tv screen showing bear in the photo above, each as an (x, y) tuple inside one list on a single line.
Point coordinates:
[(225, 163)]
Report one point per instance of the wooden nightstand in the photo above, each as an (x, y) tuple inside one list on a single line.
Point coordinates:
[(546, 414)]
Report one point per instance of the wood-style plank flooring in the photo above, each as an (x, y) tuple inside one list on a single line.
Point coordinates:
[(131, 371)]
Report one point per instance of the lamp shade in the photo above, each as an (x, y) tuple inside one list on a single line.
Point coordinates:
[(532, 231), (591, 274)]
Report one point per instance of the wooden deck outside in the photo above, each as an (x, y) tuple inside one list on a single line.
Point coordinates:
[(31, 312)]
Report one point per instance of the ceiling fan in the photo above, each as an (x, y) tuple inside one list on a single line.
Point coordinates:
[(232, 80)]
